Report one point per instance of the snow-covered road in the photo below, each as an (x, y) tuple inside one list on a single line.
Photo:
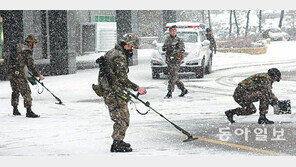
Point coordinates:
[(83, 127)]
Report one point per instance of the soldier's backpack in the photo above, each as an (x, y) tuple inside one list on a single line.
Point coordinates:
[(102, 64)]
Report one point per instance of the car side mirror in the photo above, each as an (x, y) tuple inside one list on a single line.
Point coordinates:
[(154, 43), (205, 43)]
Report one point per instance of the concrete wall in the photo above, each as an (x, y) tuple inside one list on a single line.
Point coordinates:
[(32, 25)]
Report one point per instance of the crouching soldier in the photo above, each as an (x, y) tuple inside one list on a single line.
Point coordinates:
[(23, 57), (255, 88), (112, 80)]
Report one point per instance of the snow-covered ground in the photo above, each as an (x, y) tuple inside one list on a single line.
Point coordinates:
[(82, 126)]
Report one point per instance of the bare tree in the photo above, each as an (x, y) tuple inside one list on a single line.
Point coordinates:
[(281, 19), (230, 23), (260, 21), (236, 23), (209, 17), (203, 16), (247, 25)]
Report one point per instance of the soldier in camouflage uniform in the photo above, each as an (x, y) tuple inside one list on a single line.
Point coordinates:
[(174, 48), (211, 38), (117, 60), (16, 74), (255, 88)]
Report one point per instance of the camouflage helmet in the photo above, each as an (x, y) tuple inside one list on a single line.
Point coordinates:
[(208, 30), (274, 72), (31, 38), (131, 39)]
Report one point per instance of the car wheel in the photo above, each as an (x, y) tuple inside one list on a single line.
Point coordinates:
[(155, 75), (200, 72), (209, 66)]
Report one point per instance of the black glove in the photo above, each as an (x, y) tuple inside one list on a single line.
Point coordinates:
[(164, 48)]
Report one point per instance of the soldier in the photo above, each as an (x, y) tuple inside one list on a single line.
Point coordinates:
[(211, 38), (255, 88), (174, 48), (17, 77), (112, 79)]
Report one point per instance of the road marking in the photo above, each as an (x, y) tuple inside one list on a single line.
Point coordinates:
[(248, 148)]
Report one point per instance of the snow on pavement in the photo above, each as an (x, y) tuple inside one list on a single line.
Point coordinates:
[(83, 127)]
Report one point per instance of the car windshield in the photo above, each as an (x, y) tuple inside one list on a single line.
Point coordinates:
[(190, 37)]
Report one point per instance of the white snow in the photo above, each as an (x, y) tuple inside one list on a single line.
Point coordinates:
[(83, 127)]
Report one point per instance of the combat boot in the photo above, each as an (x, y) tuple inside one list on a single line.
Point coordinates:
[(229, 114), (118, 146), (31, 114), (169, 95), (184, 92), (263, 120), (125, 144), (16, 111)]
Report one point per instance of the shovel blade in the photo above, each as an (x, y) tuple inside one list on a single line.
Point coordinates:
[(190, 139)]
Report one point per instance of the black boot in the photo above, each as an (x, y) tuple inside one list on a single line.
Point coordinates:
[(229, 114), (169, 95), (30, 113), (16, 111), (263, 120), (125, 144), (184, 92), (118, 146)]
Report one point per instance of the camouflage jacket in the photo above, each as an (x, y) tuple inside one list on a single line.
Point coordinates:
[(173, 46), (211, 38), (118, 66), (260, 83), (18, 61)]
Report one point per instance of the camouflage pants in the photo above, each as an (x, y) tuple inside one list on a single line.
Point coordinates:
[(245, 99), (173, 70), (19, 85), (118, 110)]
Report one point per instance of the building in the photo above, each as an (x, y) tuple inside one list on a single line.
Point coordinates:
[(60, 33)]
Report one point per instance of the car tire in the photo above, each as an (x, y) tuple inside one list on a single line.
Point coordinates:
[(209, 66), (155, 75), (200, 72)]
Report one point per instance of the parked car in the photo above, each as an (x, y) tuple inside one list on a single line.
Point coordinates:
[(198, 56), (275, 34)]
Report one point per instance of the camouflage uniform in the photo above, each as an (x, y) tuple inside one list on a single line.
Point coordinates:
[(173, 47), (254, 88), (118, 108), (17, 77), (213, 46)]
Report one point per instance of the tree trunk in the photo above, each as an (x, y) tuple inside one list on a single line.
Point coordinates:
[(247, 25), (260, 21), (203, 16), (209, 17), (230, 23), (236, 23), (281, 19)]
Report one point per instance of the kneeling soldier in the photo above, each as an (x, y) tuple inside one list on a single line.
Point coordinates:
[(255, 88)]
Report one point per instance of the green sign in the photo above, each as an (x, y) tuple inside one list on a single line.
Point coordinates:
[(105, 19)]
